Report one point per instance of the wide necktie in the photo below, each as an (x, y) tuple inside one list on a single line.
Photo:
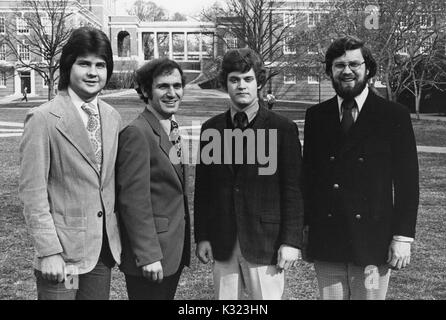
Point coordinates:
[(347, 117), (94, 131), (175, 137), (240, 120)]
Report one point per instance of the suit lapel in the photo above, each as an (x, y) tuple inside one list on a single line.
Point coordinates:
[(364, 125), (331, 125), (227, 146), (71, 126), (109, 126), (164, 142)]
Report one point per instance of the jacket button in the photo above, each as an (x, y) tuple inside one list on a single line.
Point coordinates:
[(330, 215), (100, 214), (332, 158), (361, 160), (336, 186), (358, 216)]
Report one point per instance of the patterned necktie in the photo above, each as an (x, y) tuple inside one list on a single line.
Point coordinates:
[(347, 117), (94, 131), (240, 120), (175, 136)]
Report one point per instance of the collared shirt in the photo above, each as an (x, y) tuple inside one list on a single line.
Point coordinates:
[(165, 123), (360, 100), (251, 111), (78, 103)]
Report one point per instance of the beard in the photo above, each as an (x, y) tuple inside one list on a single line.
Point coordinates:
[(349, 92)]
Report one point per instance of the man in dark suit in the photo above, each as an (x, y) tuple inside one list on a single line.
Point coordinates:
[(151, 187), (361, 180), (248, 221)]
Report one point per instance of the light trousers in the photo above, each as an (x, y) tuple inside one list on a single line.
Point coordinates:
[(238, 279), (346, 281)]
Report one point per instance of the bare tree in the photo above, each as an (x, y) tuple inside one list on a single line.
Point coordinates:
[(148, 11), (404, 40), (36, 34), (256, 24)]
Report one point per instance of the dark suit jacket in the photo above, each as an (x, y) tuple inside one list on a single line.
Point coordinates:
[(362, 189), (151, 199), (263, 211)]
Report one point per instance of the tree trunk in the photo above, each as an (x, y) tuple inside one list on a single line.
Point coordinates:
[(418, 103)]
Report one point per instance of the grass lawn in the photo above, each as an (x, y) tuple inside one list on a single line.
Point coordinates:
[(424, 279)]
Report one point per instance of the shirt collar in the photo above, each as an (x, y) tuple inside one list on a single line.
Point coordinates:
[(165, 123), (360, 99), (250, 111), (78, 102)]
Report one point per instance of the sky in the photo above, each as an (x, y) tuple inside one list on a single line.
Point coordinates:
[(188, 7)]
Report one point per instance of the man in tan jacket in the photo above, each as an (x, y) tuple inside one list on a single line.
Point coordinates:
[(67, 180)]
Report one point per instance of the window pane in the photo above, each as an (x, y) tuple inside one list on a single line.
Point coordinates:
[(163, 44), (149, 45)]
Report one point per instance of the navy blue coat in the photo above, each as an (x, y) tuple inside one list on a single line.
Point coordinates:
[(362, 189), (263, 211)]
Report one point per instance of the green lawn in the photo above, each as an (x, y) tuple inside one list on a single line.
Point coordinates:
[(424, 279)]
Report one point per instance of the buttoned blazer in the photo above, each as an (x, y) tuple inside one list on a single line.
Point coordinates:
[(262, 211), (152, 199), (362, 189), (63, 192)]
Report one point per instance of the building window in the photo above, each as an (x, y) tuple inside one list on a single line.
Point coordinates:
[(207, 44), (425, 21), (289, 78), (46, 23), (312, 49), (313, 79), (313, 18), (2, 79), (193, 46), (2, 24), (163, 44), (290, 19), (288, 47), (231, 42), (22, 26), (23, 52), (3, 51), (178, 41), (123, 44), (148, 40)]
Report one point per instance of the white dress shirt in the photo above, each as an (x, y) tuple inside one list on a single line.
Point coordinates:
[(78, 103)]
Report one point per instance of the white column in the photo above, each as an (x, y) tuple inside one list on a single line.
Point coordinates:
[(200, 47), (32, 74), (185, 46), (170, 46), (140, 47), (155, 45), (17, 83)]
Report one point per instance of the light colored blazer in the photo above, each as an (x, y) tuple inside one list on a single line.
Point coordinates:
[(63, 193)]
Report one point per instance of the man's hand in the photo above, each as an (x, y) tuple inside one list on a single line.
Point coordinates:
[(153, 271), (53, 268), (204, 252), (287, 257), (399, 254)]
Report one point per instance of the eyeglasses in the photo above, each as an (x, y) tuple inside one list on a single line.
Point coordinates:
[(352, 65)]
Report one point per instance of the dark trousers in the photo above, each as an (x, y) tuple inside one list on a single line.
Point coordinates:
[(94, 285), (140, 288)]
